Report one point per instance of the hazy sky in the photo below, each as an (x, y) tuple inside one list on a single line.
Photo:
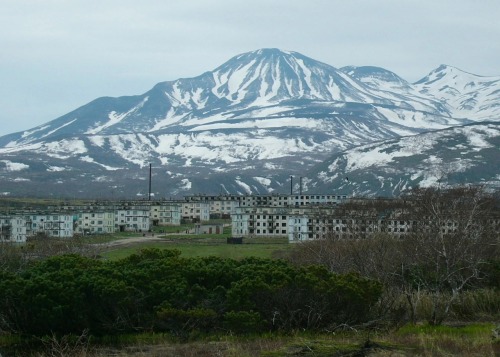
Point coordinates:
[(57, 55)]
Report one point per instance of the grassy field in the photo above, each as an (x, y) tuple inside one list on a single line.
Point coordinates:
[(473, 340), (189, 249), (189, 244)]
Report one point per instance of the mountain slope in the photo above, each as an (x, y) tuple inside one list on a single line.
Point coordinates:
[(461, 155)]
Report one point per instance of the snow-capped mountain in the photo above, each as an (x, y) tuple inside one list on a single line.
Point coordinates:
[(466, 95), (244, 127)]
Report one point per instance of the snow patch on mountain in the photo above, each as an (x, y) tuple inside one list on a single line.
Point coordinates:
[(64, 149), (186, 185), (288, 122), (14, 166), (115, 118), (55, 168), (266, 182), (231, 148), (415, 119), (28, 133), (170, 118), (135, 148), (21, 179), (478, 138), (92, 161), (247, 189)]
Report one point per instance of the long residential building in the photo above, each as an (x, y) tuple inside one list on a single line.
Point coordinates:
[(300, 223), (228, 204), (360, 219)]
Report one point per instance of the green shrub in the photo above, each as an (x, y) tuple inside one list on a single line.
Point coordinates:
[(243, 322)]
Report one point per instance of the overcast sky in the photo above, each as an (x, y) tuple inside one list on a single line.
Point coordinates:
[(57, 55)]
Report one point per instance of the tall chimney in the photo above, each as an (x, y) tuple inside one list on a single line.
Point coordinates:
[(149, 195)]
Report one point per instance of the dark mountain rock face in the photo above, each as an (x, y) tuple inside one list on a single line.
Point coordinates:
[(244, 127)]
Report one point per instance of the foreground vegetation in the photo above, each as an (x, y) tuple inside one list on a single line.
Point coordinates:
[(411, 341), (159, 291), (433, 293)]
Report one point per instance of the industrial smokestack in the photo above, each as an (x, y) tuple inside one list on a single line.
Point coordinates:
[(149, 195), (291, 185), (300, 184)]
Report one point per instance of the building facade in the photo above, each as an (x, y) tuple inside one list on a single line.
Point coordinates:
[(132, 219), (196, 211), (51, 224), (95, 222), (12, 229), (265, 221), (165, 214)]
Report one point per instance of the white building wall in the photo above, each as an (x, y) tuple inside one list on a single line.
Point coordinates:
[(260, 222), (52, 224), (12, 229), (95, 222), (298, 228), (196, 210), (239, 224), (132, 219), (166, 214)]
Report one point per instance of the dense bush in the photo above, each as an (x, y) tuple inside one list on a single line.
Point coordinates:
[(157, 290)]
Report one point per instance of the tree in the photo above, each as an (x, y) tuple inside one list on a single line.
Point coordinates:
[(454, 236), (449, 238)]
